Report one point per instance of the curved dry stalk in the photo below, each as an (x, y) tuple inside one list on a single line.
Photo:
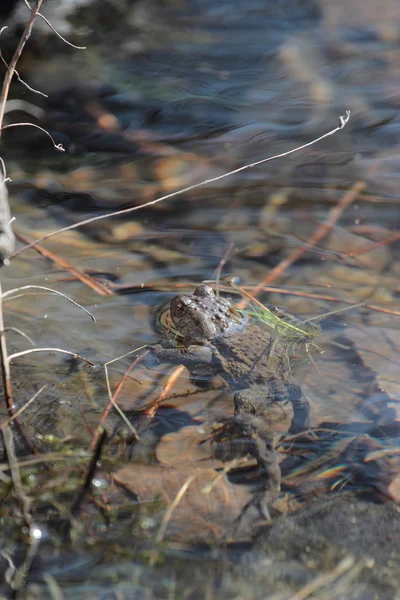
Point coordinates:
[(14, 291), (17, 74), (55, 30), (32, 350), (345, 566), (171, 508), (342, 122), (58, 147), (21, 333)]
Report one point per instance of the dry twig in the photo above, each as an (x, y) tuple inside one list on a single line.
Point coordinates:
[(13, 63)]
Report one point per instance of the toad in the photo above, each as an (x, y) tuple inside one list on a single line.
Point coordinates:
[(217, 339)]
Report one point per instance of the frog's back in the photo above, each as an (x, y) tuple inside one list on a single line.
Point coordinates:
[(251, 356)]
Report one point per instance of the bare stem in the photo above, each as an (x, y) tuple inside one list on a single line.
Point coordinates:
[(4, 362), (13, 63), (13, 294), (32, 350)]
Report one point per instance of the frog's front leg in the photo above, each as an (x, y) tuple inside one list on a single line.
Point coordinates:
[(191, 356)]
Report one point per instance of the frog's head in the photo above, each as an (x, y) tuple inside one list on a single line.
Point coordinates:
[(193, 315), (202, 316)]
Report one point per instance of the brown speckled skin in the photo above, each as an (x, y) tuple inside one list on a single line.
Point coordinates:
[(218, 340)]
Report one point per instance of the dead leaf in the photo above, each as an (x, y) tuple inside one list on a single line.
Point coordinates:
[(199, 516)]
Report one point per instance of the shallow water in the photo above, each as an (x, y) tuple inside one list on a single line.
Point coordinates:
[(165, 96)]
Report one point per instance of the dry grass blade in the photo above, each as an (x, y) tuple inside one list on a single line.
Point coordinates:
[(346, 565), (25, 406), (113, 397), (11, 294), (174, 376), (22, 334), (318, 235), (171, 508), (342, 122), (55, 591)]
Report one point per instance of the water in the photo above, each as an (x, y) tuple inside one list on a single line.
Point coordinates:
[(167, 95)]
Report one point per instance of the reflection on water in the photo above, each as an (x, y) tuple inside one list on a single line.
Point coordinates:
[(167, 95)]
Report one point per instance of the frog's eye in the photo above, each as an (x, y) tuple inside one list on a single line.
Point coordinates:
[(204, 291), (178, 307)]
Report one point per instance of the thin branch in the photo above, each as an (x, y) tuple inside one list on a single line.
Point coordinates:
[(374, 245), (93, 464), (22, 334), (55, 31), (58, 147), (42, 287), (13, 63), (342, 122)]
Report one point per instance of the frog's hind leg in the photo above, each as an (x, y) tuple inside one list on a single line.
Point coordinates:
[(301, 407), (256, 399), (265, 482)]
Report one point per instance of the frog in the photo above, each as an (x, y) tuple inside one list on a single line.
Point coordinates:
[(215, 338)]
